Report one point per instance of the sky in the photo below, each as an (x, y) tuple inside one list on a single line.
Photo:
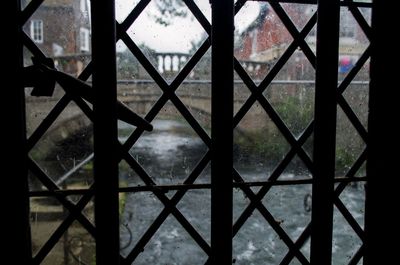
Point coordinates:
[(178, 36)]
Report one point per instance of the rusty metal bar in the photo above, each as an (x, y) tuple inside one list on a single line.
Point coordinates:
[(105, 132), (221, 131), (324, 131), (17, 241), (383, 140)]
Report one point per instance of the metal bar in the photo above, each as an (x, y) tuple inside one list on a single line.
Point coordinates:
[(383, 139), (222, 13), (324, 131), (203, 186), (105, 132), (17, 241)]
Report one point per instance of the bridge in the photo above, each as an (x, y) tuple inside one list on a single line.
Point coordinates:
[(141, 93), (139, 96)]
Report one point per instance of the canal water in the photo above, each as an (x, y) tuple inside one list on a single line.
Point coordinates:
[(169, 154)]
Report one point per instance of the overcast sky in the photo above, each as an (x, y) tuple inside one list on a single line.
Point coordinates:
[(178, 36)]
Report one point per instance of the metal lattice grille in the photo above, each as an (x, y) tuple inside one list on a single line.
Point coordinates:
[(74, 210)]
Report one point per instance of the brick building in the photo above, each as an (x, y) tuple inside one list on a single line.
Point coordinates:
[(61, 30), (265, 40)]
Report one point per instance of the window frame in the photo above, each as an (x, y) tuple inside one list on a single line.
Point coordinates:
[(36, 30)]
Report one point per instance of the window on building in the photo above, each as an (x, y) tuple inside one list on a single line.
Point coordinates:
[(84, 39), (37, 30)]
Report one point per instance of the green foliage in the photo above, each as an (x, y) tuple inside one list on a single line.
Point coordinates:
[(295, 112)]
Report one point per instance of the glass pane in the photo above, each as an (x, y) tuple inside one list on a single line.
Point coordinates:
[(59, 129)]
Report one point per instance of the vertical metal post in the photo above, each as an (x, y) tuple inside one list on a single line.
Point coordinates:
[(324, 131), (221, 131), (16, 233), (105, 132), (383, 140)]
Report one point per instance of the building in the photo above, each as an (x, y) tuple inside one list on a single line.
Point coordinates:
[(61, 29), (265, 40)]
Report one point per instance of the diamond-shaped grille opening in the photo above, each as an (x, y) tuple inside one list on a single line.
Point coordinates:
[(292, 94), (65, 146), (159, 144), (152, 26), (259, 145)]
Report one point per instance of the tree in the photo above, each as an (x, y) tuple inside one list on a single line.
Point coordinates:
[(167, 10)]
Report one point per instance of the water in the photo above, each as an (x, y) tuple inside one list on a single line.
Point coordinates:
[(169, 154)]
